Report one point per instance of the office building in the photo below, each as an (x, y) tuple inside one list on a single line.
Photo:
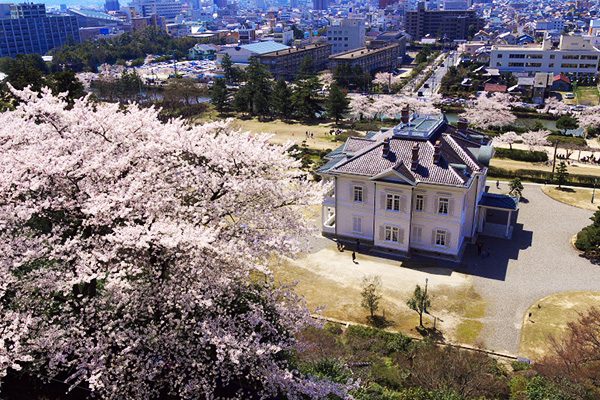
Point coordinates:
[(112, 5), (442, 24), (575, 56), (346, 34), (283, 34), (163, 8), (369, 60), (320, 4), (29, 30), (286, 63)]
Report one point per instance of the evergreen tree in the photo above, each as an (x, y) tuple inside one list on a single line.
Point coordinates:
[(371, 294), (561, 174), (281, 99), (218, 95), (66, 81), (337, 104), (516, 187), (306, 68), (258, 88), (305, 98), (228, 69), (419, 302)]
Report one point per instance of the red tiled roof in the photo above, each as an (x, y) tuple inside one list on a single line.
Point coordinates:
[(494, 87), (562, 77)]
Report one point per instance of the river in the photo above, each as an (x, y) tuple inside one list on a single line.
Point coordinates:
[(521, 122)]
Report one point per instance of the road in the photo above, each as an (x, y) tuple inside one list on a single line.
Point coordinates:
[(538, 261), (432, 85)]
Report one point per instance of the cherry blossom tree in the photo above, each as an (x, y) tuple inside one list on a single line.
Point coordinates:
[(386, 80), (326, 79), (535, 139), (490, 111), (508, 138), (554, 106), (135, 253), (589, 118), (390, 106), (360, 107)]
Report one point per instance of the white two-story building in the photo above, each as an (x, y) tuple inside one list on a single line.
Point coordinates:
[(416, 188), (575, 57)]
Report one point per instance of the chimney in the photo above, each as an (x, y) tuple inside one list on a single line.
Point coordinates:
[(386, 147), (437, 149), (415, 157), (405, 115), (462, 124)]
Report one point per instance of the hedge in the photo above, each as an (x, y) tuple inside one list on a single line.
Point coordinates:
[(538, 176), (522, 155)]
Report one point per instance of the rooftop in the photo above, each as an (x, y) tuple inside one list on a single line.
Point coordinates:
[(362, 52), (264, 47), (292, 50)]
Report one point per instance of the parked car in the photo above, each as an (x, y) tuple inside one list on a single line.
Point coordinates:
[(569, 96)]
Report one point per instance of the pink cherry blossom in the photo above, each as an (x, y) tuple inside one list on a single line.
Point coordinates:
[(490, 111), (136, 252)]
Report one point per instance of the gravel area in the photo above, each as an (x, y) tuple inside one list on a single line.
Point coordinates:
[(538, 261)]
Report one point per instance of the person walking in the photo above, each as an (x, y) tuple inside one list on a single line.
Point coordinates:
[(497, 184), (354, 257)]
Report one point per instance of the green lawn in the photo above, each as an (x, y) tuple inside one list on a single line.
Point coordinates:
[(587, 95)]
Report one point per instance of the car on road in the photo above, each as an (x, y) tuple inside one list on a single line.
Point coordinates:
[(569, 96), (426, 85)]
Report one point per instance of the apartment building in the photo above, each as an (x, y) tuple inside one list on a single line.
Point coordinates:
[(442, 24), (346, 34), (369, 60), (286, 63), (419, 187), (29, 29), (575, 56)]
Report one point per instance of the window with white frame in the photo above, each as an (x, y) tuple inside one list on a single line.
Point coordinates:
[(358, 194), (441, 238), (392, 234), (417, 234), (357, 224), (419, 202), (392, 202), (443, 203)]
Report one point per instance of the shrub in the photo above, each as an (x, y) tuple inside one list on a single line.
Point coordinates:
[(328, 368), (532, 175), (520, 366), (522, 155)]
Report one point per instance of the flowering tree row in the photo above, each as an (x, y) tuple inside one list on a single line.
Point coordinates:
[(389, 106)]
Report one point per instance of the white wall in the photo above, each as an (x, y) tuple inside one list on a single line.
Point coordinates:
[(429, 220), (347, 208), (460, 222), (400, 219)]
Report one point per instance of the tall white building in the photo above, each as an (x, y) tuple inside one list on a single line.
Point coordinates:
[(346, 34), (575, 56), (417, 188)]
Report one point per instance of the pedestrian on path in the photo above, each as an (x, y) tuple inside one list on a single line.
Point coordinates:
[(497, 184), (354, 257)]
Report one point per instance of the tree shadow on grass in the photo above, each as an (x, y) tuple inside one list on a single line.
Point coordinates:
[(431, 333), (379, 321), (566, 189)]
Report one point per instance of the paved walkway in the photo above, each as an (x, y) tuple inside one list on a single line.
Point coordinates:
[(537, 262)]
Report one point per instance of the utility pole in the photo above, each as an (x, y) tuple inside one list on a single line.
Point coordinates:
[(554, 159)]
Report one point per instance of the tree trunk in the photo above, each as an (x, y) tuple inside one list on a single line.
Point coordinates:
[(421, 320)]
